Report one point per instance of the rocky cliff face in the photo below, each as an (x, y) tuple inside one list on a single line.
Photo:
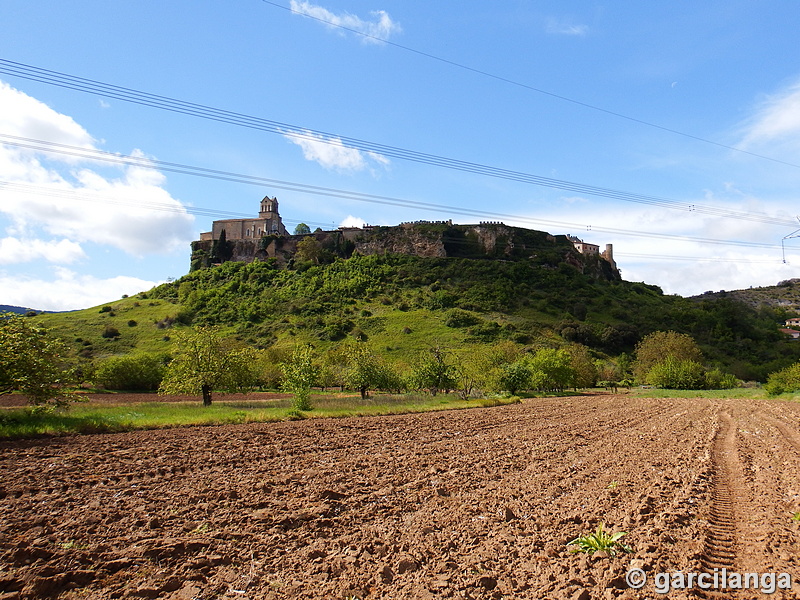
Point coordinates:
[(431, 240)]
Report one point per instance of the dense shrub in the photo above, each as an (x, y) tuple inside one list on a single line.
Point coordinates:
[(461, 318), (675, 374), (786, 380), (142, 372), (110, 332)]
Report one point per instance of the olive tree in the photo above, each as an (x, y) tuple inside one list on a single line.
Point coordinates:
[(204, 360)]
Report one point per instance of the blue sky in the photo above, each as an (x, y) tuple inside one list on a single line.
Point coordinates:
[(688, 111)]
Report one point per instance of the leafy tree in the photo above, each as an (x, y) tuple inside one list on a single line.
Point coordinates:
[(299, 376), (659, 345), (302, 229), (515, 376), (366, 370), (583, 366), (142, 372), (471, 371), (33, 363), (434, 372), (203, 361), (309, 250), (551, 370)]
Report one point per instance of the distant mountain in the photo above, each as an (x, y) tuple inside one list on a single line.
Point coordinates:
[(20, 310)]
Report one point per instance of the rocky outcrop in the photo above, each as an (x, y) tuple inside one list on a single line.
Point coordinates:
[(430, 240)]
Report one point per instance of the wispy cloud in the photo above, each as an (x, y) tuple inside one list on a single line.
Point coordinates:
[(564, 27), (45, 193), (380, 28), (331, 153), (776, 119)]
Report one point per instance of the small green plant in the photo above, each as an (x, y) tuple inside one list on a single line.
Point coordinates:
[(200, 529), (613, 485), (598, 541), (73, 545), (796, 517)]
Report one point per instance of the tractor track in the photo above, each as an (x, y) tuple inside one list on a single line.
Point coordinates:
[(720, 543)]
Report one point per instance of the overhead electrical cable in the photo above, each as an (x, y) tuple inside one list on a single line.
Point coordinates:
[(82, 196), (532, 88), (205, 112), (143, 162)]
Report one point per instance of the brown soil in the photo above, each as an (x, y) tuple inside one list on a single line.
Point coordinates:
[(462, 504)]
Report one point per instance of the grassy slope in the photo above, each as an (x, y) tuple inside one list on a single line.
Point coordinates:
[(401, 304)]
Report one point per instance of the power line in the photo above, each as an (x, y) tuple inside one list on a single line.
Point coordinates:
[(205, 112), (54, 192), (526, 86), (92, 154)]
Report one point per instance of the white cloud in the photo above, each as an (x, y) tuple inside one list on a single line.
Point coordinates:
[(56, 194), (15, 250), (351, 221), (25, 116), (562, 27), (776, 119), (67, 290), (685, 267), (331, 153), (379, 29)]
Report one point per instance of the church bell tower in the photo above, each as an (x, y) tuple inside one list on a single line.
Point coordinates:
[(269, 208)]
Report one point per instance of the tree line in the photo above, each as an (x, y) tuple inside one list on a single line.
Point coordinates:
[(204, 361)]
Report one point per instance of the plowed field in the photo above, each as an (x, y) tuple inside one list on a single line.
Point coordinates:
[(463, 504)]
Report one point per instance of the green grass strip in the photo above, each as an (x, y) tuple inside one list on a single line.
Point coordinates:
[(97, 418)]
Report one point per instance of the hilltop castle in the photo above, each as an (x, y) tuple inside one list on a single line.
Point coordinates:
[(269, 222), (266, 238)]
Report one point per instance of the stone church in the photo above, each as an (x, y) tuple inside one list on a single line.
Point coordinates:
[(269, 222)]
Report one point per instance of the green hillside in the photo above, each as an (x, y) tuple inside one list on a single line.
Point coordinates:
[(402, 304)]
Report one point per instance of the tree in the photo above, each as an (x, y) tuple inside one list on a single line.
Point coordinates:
[(515, 376), (471, 371), (659, 345), (302, 229), (220, 249), (366, 370), (551, 370), (34, 363), (434, 372), (203, 361), (309, 250), (299, 376), (583, 365)]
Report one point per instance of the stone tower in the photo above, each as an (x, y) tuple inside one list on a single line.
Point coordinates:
[(269, 208)]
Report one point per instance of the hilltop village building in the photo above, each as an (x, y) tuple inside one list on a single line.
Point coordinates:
[(592, 249), (269, 222)]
